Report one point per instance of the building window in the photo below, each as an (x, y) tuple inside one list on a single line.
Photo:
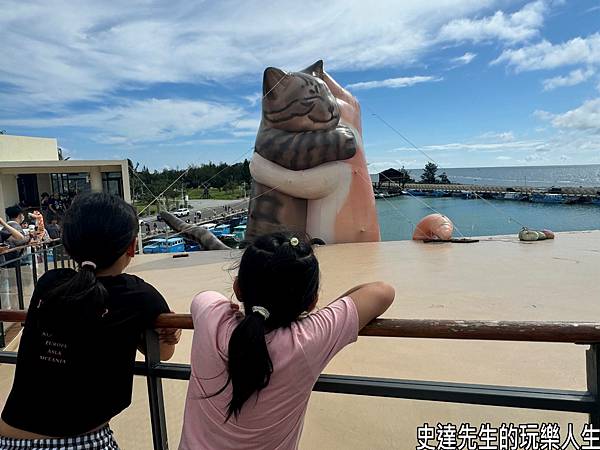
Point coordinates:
[(112, 183), (70, 183)]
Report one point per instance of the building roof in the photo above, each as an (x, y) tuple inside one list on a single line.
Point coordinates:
[(61, 166)]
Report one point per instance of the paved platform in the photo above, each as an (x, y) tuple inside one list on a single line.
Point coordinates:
[(498, 278)]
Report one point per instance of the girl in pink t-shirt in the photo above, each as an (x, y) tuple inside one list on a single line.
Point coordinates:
[(252, 374)]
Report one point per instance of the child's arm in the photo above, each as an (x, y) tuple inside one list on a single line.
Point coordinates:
[(371, 300), (15, 234), (167, 338)]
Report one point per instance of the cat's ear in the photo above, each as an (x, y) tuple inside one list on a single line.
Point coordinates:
[(316, 69), (272, 80)]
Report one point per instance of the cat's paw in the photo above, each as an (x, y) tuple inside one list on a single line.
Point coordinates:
[(347, 148)]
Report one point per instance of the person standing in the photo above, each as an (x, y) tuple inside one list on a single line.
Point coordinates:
[(77, 352), (12, 235), (253, 373)]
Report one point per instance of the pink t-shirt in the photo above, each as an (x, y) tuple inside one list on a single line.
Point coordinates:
[(299, 354)]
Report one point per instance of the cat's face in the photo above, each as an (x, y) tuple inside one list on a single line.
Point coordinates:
[(299, 101)]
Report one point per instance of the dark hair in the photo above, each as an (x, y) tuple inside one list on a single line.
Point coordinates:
[(45, 194), (13, 211), (280, 273), (98, 228)]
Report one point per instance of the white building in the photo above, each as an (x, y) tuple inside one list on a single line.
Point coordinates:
[(30, 166)]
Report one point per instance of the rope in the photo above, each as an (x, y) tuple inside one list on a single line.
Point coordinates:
[(510, 218), (220, 171)]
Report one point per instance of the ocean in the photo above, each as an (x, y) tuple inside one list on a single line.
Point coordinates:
[(538, 176), (475, 217)]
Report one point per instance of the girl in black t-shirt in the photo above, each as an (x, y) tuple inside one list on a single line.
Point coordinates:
[(77, 352)]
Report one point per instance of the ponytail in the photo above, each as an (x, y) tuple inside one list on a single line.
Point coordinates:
[(250, 366), (80, 299)]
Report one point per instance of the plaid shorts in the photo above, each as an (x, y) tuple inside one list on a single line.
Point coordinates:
[(101, 439)]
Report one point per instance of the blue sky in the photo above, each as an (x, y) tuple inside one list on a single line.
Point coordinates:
[(168, 84)]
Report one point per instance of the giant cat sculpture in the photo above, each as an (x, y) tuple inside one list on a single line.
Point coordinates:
[(309, 169)]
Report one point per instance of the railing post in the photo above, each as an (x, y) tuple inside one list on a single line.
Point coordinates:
[(34, 275), (62, 257), (19, 280), (592, 363), (155, 392), (2, 341), (45, 249)]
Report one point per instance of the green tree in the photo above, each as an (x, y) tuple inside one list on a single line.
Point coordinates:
[(428, 175), (405, 177), (444, 179)]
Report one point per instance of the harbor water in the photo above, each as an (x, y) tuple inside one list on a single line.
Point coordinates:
[(476, 217)]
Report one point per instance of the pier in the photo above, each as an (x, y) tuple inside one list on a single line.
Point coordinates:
[(543, 195)]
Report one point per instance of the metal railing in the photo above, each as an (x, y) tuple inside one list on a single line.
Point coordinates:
[(23, 265), (478, 394)]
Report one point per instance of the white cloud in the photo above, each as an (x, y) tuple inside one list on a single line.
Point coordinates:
[(481, 146), (143, 120), (574, 77), (393, 82), (54, 53), (584, 118), (503, 158), (503, 136), (545, 55), (254, 98), (518, 26), (464, 59)]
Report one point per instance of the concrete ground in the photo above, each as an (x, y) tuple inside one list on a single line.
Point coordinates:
[(498, 278)]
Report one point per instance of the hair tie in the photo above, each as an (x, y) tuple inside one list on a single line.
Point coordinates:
[(89, 264), (262, 311), (294, 241)]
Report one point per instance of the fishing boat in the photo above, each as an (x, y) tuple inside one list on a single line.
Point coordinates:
[(162, 245), (467, 194), (240, 232), (439, 193), (222, 229), (229, 240), (515, 196), (547, 198), (416, 192)]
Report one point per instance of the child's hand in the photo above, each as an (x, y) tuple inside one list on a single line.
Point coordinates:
[(169, 336), (236, 309)]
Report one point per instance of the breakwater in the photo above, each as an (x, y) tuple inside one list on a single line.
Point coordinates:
[(567, 195)]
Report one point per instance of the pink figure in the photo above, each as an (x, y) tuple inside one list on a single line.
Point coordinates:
[(434, 226)]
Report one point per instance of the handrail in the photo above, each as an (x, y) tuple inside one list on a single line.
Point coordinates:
[(35, 244), (525, 331)]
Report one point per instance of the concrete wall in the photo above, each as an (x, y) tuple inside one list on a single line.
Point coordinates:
[(44, 183), (95, 179), (9, 194), (25, 148)]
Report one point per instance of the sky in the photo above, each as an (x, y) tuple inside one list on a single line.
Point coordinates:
[(470, 83)]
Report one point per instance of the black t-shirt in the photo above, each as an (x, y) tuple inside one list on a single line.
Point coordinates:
[(71, 381)]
